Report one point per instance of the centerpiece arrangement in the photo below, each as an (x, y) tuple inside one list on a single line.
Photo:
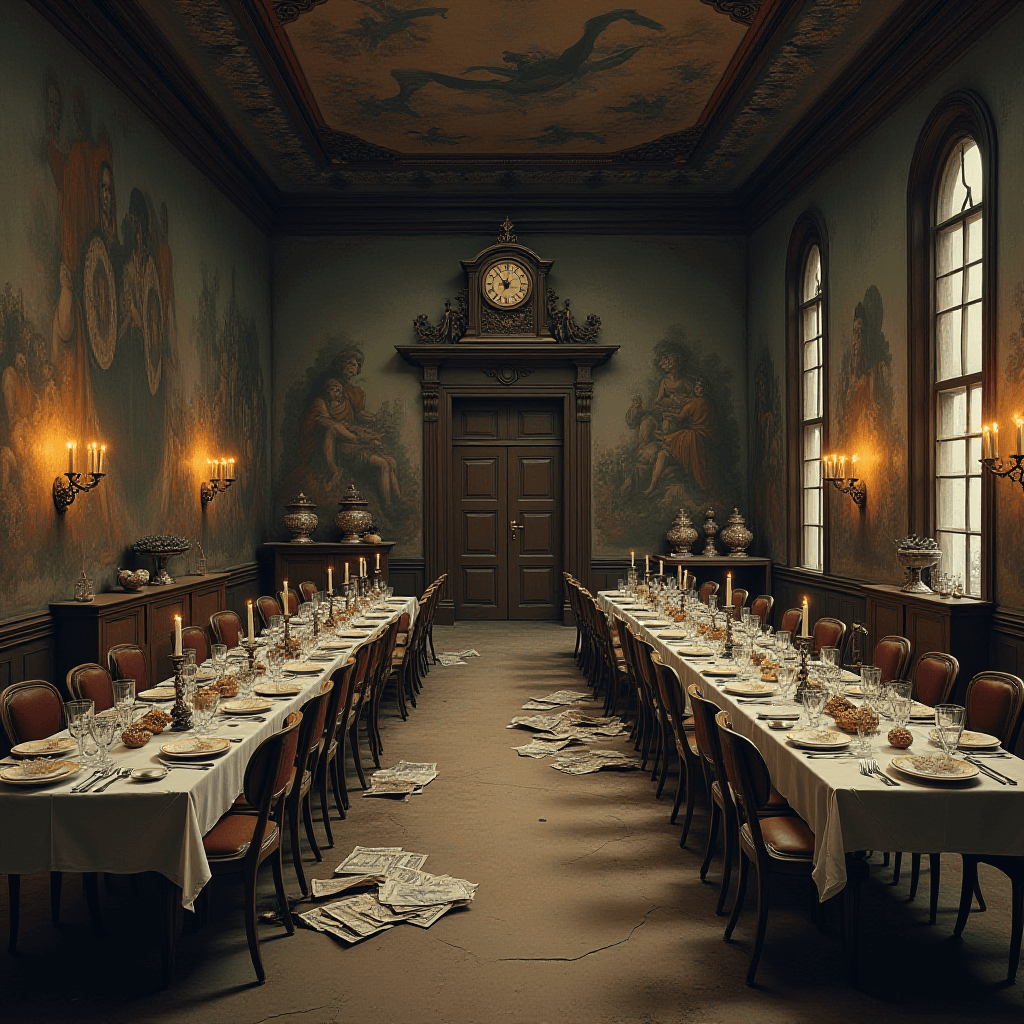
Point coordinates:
[(916, 554), (162, 547)]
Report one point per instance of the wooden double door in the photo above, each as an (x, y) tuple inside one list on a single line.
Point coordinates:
[(507, 507)]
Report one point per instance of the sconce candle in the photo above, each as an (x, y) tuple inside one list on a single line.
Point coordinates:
[(221, 475), (986, 443), (1020, 434), (995, 440), (71, 456)]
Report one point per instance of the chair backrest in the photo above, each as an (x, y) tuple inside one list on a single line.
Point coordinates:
[(747, 774), (994, 702), (739, 599), (670, 690), (307, 589), (336, 716), (828, 633), (195, 637), (91, 682), (293, 601), (267, 776), (791, 620), (31, 710), (705, 731), (935, 677), (892, 656), (267, 607), (707, 589), (762, 606), (226, 628), (127, 661), (311, 732)]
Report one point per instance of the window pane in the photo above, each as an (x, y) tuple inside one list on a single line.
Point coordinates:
[(812, 547), (974, 231), (812, 321), (949, 291), (951, 511), (952, 412), (812, 274), (947, 345), (974, 507), (812, 355), (950, 460), (949, 249), (812, 400), (972, 346), (812, 441), (963, 165), (974, 586), (975, 418), (974, 282), (812, 473), (974, 458), (954, 554), (812, 507)]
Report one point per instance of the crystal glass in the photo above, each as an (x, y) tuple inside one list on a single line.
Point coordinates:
[(871, 684), (901, 709), (103, 731), (204, 707), (754, 624), (189, 672), (949, 725), (124, 701), (190, 655), (219, 656), (79, 712), (782, 639), (741, 655), (866, 734), (813, 701)]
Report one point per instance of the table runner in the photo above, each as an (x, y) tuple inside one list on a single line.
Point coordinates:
[(156, 826), (848, 812)]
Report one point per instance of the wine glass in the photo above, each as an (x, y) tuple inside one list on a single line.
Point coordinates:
[(79, 712), (813, 701), (124, 700), (204, 707), (871, 684), (949, 724), (103, 730)]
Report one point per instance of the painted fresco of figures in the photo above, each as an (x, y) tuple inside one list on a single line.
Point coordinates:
[(768, 469), (683, 449)]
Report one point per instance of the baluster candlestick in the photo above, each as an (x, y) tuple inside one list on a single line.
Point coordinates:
[(181, 713)]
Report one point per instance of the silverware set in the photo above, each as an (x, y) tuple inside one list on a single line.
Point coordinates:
[(869, 767), (1003, 780)]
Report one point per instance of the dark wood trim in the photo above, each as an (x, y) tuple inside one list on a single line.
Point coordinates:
[(808, 231), (957, 115)]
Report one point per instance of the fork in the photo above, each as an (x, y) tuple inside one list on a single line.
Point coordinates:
[(99, 773), (875, 770), (121, 773)]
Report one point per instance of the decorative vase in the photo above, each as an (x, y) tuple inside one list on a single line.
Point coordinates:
[(301, 519), (710, 529), (354, 518), (681, 534), (737, 536)]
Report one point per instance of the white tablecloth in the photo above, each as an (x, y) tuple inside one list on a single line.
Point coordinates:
[(848, 812), (135, 826)]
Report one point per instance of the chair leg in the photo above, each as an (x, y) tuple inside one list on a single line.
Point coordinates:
[(967, 884), (934, 863), (251, 932), (897, 861), (293, 834), (56, 881), (307, 821), (691, 796), (1016, 927), (979, 896), (915, 873), (664, 767), (716, 817), (321, 785), (14, 911), (762, 924), (339, 783), (741, 894), (91, 883), (680, 789), (354, 744), (277, 867), (728, 858)]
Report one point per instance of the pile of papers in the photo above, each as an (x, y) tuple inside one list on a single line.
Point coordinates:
[(554, 700), (405, 778), (448, 658), (405, 894), (570, 725), (594, 761)]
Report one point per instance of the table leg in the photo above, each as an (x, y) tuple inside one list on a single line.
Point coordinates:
[(170, 900), (857, 872)]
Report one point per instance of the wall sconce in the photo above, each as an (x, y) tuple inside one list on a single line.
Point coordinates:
[(1012, 467), (833, 468), (222, 476), (64, 491)]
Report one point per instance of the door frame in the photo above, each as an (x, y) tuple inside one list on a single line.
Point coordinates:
[(508, 372)]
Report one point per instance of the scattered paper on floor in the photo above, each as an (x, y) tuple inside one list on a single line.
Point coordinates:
[(559, 699), (594, 761), (449, 658), (332, 886), (543, 748)]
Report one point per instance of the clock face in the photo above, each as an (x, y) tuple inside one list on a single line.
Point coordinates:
[(506, 284)]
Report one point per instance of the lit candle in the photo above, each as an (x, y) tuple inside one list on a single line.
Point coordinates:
[(252, 625), (378, 561), (224, 469), (286, 597), (632, 554), (647, 563), (803, 628), (363, 565), (679, 576), (1020, 434), (89, 458), (995, 440), (103, 451), (346, 574), (842, 465), (728, 588), (231, 469), (330, 580), (71, 456), (661, 567), (986, 443), (177, 635), (824, 467)]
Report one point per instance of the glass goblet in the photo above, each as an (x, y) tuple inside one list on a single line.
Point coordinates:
[(103, 731), (79, 712), (813, 701), (204, 707), (949, 725), (219, 655)]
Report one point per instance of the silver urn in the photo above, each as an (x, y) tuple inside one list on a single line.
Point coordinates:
[(681, 535), (301, 519), (915, 562), (737, 536), (354, 519)]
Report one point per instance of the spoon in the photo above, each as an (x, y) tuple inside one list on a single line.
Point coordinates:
[(147, 774)]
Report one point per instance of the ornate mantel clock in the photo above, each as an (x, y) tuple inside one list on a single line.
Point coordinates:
[(507, 300)]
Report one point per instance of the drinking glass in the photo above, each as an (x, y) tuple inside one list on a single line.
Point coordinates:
[(190, 655), (814, 701), (189, 672), (901, 708), (949, 724), (79, 712), (865, 735), (871, 683), (754, 624), (782, 638), (103, 731), (741, 655), (621, 584), (219, 654), (204, 707), (124, 701)]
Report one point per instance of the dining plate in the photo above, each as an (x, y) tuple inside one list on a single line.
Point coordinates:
[(303, 667), (278, 689), (332, 645), (716, 670), (749, 689), (928, 767), (820, 739), (157, 693), (854, 691), (24, 775), (196, 747), (246, 706), (969, 740), (695, 652), (51, 745), (921, 713)]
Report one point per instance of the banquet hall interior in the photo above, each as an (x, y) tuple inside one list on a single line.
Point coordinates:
[(403, 402)]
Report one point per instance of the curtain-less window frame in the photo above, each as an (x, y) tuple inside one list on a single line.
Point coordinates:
[(959, 115), (809, 231)]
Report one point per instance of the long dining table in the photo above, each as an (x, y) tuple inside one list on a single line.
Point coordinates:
[(848, 812), (134, 827)]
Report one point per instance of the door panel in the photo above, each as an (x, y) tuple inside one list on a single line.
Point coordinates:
[(480, 588), (481, 477), (481, 536), (537, 477), (535, 557), (480, 533)]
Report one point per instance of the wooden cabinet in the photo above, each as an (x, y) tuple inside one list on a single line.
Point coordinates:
[(296, 563), (931, 623), (85, 632), (753, 575)]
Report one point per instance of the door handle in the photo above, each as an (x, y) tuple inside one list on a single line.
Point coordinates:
[(515, 526)]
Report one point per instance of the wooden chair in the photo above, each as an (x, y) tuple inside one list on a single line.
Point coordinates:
[(330, 769), (307, 590), (791, 620), (707, 589), (34, 710), (268, 607), (91, 682), (239, 843), (381, 674), (762, 606), (438, 585), (226, 628), (359, 687), (772, 843), (828, 633), (293, 601), (892, 656), (739, 599), (194, 637), (635, 673), (1013, 868), (127, 661)]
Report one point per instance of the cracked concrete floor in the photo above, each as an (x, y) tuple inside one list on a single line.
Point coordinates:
[(587, 910)]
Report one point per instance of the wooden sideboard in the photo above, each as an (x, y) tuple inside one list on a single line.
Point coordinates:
[(957, 626), (297, 563), (86, 631)]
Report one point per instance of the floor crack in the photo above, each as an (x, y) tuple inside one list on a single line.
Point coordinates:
[(291, 1013), (621, 839)]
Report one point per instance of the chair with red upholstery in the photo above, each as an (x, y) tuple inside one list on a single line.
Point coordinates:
[(226, 628), (307, 590), (892, 656), (293, 601), (707, 589), (268, 607), (739, 599), (762, 606), (772, 843), (240, 842), (91, 682), (828, 633), (195, 637), (791, 620), (935, 677), (127, 661)]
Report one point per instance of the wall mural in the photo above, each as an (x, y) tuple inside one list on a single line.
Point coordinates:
[(866, 421), (683, 451), (104, 362), (768, 469), (331, 437)]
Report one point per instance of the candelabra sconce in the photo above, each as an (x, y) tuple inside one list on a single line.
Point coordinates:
[(833, 469), (222, 476), (66, 490), (1011, 468)]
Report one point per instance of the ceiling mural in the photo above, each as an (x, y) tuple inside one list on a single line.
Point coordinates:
[(490, 77)]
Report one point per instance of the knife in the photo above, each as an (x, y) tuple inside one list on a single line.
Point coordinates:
[(1003, 780)]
